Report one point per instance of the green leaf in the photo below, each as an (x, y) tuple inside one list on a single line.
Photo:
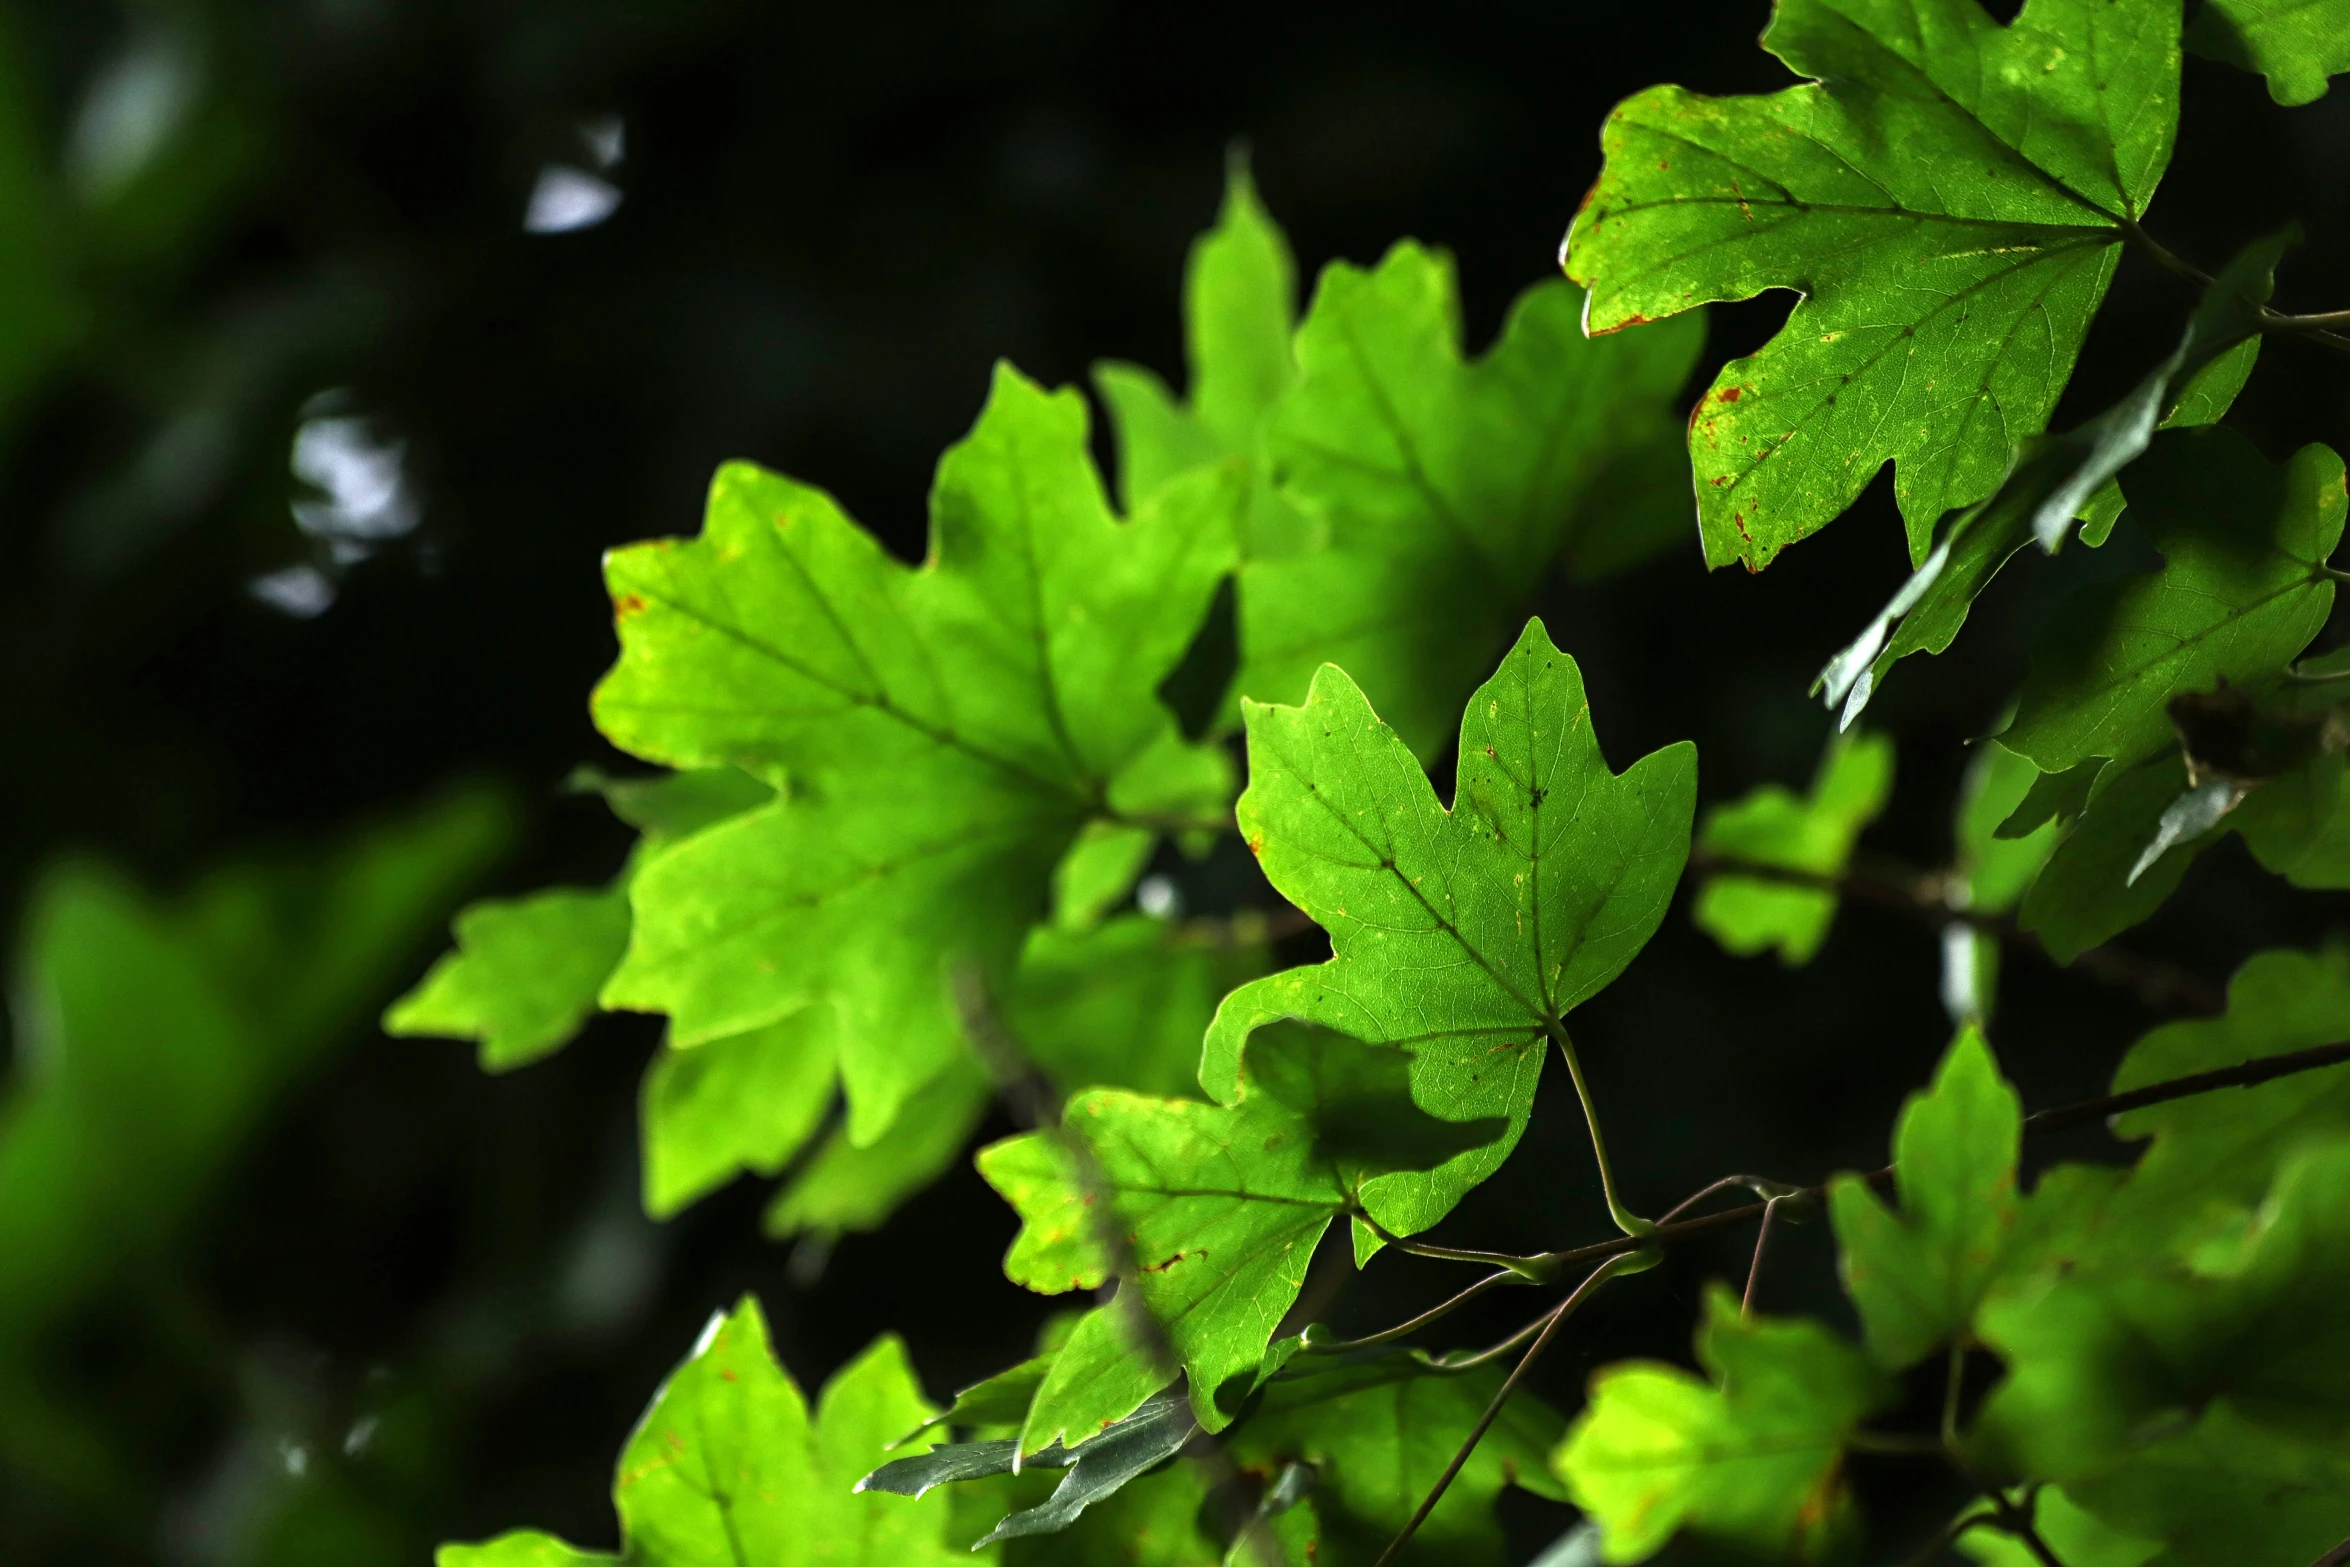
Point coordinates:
[(1239, 306), (1102, 1372), (2224, 1493), (1440, 489), (1750, 1459), (1814, 835), (156, 1034), (1994, 868), (1000, 1400), (1099, 870), (1381, 1432), (844, 1186), (745, 1103), (1949, 195), (946, 731), (2227, 1146), (1461, 935), (1124, 1004), (524, 976), (2057, 479), (1154, 1521), (1220, 1207), (1916, 1276), (2296, 44), (669, 806), (527, 970), (2097, 884), (2078, 1537), (728, 1466), (522, 1548), (2240, 593), (2240, 1307)]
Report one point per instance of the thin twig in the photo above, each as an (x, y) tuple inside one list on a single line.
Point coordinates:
[(1565, 1309), (1762, 1239), (2017, 1521), (2335, 1557), (1923, 897), (1031, 1100), (2248, 1074), (1947, 1536), (2259, 1070)]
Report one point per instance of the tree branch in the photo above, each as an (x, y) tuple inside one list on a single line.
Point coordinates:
[(1032, 1101), (1565, 1308), (1925, 898)]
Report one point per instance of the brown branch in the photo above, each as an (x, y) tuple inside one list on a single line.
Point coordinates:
[(1925, 898), (1032, 1101), (2335, 1557), (2260, 1069), (1559, 1313)]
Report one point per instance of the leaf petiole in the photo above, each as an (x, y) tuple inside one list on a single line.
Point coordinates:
[(1626, 1220)]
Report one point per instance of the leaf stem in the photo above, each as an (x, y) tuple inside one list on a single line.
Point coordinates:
[(1432, 1314), (1948, 1534), (2165, 257), (1762, 1240), (1550, 1325), (1626, 1220)]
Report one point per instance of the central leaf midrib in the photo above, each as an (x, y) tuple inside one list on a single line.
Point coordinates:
[(1387, 863), (1739, 476), (2135, 674), (878, 700), (1415, 474), (2016, 154)]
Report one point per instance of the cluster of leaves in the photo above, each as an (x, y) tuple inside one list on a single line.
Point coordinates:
[(907, 807)]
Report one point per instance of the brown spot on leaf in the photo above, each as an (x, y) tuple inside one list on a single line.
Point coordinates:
[(628, 604)]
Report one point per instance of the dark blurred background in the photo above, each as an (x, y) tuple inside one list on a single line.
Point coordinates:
[(339, 337)]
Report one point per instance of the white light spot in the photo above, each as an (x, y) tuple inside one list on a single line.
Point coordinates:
[(1158, 898), (300, 591), (566, 199), (361, 1433), (294, 1456), (362, 480)]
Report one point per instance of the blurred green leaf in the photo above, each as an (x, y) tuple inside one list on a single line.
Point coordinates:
[(2227, 1147), (2184, 1310), (1239, 308), (1440, 489), (745, 1103), (2296, 44), (524, 976), (1380, 1433), (1123, 1005), (1917, 1275), (1751, 1459), (1814, 835), (844, 1186), (156, 1034)]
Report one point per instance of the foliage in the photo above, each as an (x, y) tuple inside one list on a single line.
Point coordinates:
[(909, 806), (155, 1032), (729, 1465)]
